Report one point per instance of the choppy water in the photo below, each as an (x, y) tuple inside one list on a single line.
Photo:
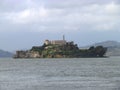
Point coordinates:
[(60, 74)]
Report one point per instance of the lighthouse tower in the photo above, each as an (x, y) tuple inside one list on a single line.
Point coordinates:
[(63, 37)]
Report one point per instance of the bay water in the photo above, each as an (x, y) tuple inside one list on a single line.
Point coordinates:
[(60, 74)]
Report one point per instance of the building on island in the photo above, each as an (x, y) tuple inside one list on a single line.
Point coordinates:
[(56, 42), (43, 51)]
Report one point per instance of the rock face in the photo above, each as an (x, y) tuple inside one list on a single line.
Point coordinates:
[(27, 54)]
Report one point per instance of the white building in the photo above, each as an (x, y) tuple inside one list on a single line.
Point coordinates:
[(55, 42)]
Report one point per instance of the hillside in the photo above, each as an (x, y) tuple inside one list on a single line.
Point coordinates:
[(5, 54), (108, 44), (113, 47)]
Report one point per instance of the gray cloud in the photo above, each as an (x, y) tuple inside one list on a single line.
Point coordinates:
[(65, 15), (11, 5), (16, 5), (58, 16)]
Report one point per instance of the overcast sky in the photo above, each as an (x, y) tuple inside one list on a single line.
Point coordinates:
[(27, 23)]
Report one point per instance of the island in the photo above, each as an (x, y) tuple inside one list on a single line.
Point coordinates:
[(60, 49)]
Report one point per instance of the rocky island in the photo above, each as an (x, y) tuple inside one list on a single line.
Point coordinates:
[(60, 49)]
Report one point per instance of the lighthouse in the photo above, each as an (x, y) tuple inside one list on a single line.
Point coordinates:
[(63, 37)]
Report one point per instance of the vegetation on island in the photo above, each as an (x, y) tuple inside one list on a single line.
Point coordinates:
[(69, 50)]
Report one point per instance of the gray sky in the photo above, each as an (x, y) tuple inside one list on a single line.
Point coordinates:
[(25, 23)]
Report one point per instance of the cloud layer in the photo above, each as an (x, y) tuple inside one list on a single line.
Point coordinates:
[(60, 16), (30, 22)]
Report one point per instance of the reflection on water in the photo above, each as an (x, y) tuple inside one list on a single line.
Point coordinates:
[(60, 74)]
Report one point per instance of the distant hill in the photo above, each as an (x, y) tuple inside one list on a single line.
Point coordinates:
[(108, 44), (5, 54), (112, 46)]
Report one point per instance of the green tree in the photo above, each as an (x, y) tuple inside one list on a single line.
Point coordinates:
[(100, 51)]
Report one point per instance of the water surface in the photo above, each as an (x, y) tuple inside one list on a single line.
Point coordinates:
[(60, 74)]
